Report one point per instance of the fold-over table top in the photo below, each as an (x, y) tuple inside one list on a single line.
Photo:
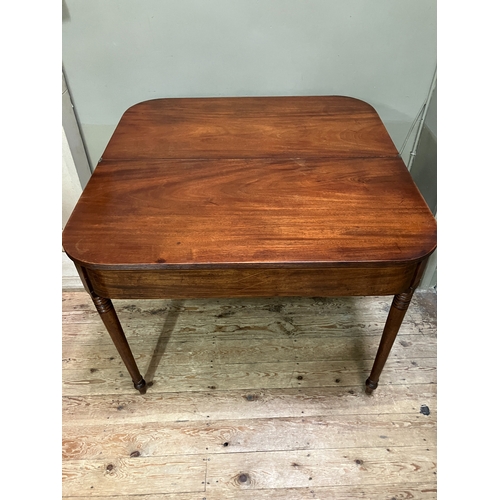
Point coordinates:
[(250, 182)]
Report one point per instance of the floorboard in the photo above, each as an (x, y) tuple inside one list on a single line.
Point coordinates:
[(249, 399)]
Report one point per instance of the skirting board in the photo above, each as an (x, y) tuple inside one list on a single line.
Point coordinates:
[(70, 278)]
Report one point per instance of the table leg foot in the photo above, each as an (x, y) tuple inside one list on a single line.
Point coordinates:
[(370, 386), (141, 386), (112, 323)]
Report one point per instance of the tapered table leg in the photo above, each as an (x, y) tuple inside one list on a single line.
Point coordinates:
[(395, 318), (396, 315), (110, 319)]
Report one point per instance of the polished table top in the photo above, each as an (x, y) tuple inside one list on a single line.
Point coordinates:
[(213, 183)]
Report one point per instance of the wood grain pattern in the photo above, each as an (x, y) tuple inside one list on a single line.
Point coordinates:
[(264, 317), (170, 443), (319, 319), (82, 410), (245, 376), (408, 491), (311, 468), (122, 476), (309, 126), (192, 328), (202, 352), (273, 282), (244, 436), (247, 213)]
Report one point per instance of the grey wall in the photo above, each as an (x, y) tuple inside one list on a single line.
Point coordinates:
[(120, 52), (424, 166), (424, 173)]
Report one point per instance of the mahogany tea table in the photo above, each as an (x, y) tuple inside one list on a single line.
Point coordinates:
[(250, 197)]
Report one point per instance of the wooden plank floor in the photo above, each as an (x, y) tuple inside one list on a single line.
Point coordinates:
[(249, 399)]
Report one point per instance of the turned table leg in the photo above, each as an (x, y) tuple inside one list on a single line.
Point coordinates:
[(395, 318), (110, 319), (396, 315), (112, 323)]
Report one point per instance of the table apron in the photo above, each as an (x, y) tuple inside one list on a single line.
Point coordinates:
[(246, 282)]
